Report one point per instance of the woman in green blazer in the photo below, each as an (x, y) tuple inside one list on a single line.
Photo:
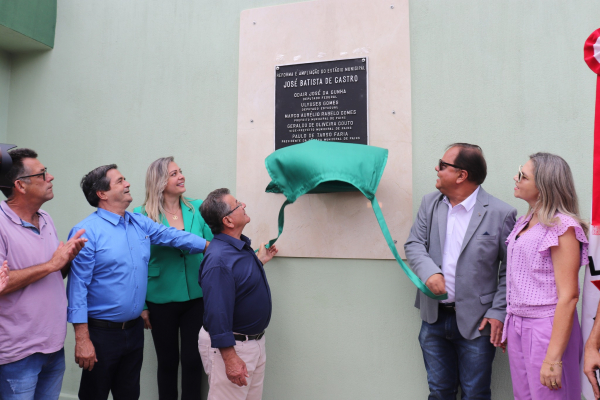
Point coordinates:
[(174, 298)]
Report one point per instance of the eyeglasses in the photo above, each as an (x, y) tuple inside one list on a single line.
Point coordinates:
[(444, 164), (42, 174), (238, 206), (520, 175)]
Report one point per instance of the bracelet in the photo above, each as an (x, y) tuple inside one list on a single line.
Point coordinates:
[(552, 364)]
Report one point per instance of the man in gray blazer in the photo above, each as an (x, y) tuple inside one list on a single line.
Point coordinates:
[(457, 246)]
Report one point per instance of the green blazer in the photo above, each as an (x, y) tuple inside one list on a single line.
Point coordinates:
[(173, 273)]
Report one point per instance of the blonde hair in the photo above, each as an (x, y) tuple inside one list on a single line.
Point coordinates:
[(156, 181), (554, 180)]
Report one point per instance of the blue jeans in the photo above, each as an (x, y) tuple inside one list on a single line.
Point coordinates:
[(37, 377), (451, 360)]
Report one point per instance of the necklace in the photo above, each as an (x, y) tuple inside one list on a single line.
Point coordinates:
[(175, 217)]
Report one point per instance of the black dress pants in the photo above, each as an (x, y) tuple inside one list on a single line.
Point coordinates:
[(169, 321), (120, 353)]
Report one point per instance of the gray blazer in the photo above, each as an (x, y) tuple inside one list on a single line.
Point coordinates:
[(481, 268)]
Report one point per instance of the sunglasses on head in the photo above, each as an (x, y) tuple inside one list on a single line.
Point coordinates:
[(520, 174)]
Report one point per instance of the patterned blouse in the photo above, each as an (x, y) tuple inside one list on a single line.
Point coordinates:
[(531, 288)]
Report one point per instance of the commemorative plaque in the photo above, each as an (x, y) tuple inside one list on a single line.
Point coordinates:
[(321, 100)]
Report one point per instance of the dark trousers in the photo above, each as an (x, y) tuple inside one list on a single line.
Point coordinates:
[(120, 353), (451, 360), (169, 321)]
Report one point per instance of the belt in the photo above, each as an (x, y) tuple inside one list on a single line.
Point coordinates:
[(448, 307), (100, 323), (243, 338)]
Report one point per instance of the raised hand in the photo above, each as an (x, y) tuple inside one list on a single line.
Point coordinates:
[(66, 252), (265, 255)]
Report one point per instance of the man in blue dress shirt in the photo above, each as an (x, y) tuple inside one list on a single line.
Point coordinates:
[(237, 303), (107, 286)]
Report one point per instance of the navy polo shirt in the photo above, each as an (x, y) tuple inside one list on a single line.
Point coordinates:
[(237, 297)]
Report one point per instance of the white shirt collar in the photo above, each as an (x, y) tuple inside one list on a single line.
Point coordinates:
[(467, 203)]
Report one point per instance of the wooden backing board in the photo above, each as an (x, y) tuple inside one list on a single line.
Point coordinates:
[(336, 225)]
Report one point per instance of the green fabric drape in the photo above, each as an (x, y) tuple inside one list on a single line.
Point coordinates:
[(329, 167)]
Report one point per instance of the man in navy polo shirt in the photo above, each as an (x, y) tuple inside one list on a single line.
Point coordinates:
[(237, 302)]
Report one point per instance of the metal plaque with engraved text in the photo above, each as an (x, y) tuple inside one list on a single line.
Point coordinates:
[(321, 100)]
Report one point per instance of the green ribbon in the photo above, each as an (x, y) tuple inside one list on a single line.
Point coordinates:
[(388, 238), (409, 272), (280, 222)]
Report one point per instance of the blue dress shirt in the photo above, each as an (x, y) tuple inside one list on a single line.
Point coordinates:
[(108, 278), (237, 297)]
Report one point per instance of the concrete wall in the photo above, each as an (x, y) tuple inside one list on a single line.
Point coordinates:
[(129, 82)]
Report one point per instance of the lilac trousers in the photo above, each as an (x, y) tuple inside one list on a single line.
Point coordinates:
[(528, 340)]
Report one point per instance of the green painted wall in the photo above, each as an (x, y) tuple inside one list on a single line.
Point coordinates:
[(27, 24), (129, 82), (4, 90)]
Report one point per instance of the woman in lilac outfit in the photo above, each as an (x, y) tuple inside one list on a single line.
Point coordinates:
[(545, 251)]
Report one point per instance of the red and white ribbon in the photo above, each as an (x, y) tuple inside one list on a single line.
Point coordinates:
[(591, 284), (591, 55)]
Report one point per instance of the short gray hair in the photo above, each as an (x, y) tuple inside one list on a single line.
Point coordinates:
[(213, 209)]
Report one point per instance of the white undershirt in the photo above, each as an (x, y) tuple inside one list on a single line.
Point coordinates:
[(456, 227)]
